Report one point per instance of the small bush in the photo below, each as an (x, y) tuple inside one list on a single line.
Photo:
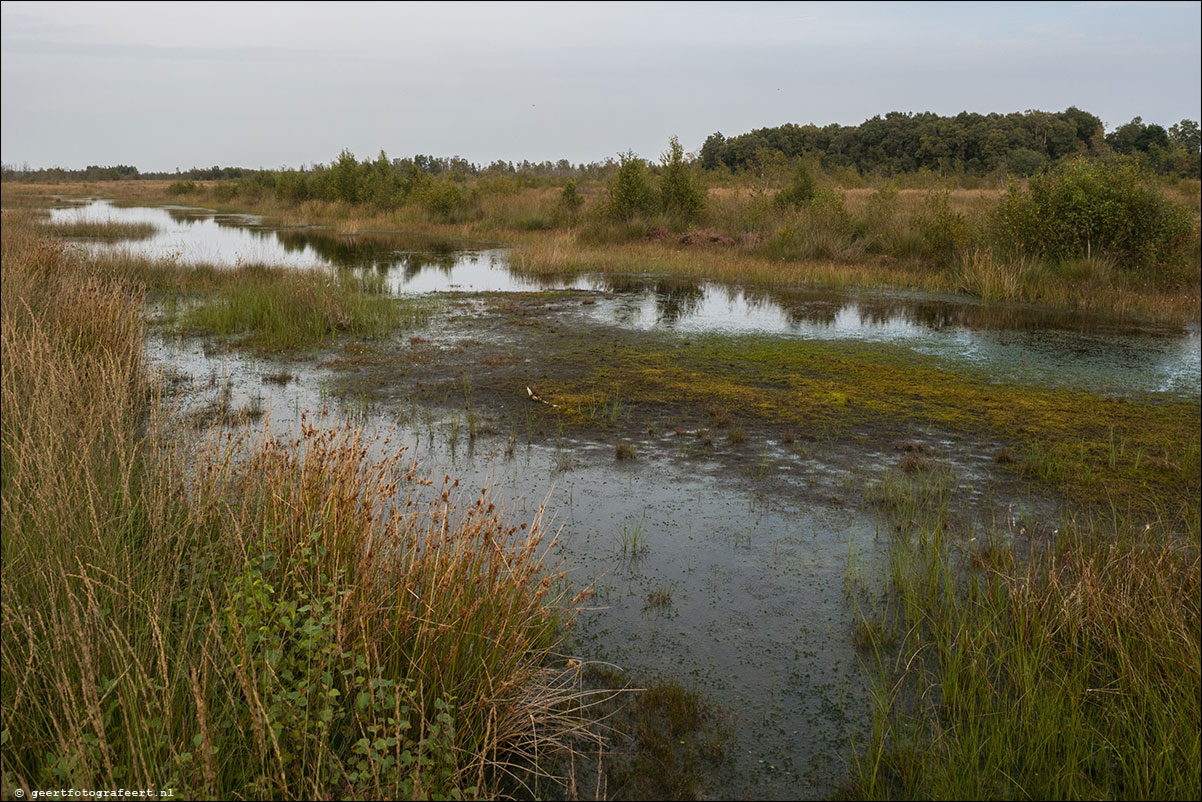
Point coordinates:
[(570, 201), (225, 191), (444, 200), (683, 199), (630, 193), (182, 188), (799, 192), (944, 231)]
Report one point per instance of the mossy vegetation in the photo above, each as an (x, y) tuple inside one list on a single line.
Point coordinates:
[(1137, 453)]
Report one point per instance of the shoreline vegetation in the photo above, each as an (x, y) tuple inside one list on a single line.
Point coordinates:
[(247, 616), (1101, 235)]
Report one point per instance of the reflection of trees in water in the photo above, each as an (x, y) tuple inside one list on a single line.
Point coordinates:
[(675, 298), (381, 252), (814, 308), (417, 261), (822, 308), (623, 284), (969, 315), (187, 215)]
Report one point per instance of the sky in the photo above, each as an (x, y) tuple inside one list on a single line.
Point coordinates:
[(174, 85)]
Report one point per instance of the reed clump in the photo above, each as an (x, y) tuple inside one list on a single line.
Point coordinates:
[(263, 618)]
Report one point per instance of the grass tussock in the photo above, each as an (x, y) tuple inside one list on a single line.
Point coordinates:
[(1066, 669), (271, 308), (276, 309), (263, 619), (102, 230)]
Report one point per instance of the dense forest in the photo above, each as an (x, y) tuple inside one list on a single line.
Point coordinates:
[(1017, 144)]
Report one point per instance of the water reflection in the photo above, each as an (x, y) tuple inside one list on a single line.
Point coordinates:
[(1012, 342)]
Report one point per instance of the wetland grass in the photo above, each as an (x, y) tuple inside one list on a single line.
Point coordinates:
[(271, 309), (288, 310), (245, 618), (660, 598), (634, 537), (101, 230), (1061, 668)]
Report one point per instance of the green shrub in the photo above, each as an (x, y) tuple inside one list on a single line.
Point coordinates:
[(944, 231), (800, 190), (683, 200), (225, 191), (570, 201), (1088, 205), (182, 188), (630, 193), (444, 199)]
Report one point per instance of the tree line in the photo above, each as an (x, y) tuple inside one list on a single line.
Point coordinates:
[(977, 144), (1020, 143)]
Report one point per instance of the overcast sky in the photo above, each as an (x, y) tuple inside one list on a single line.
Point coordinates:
[(167, 85)]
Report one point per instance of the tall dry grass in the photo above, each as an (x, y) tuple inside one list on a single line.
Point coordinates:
[(260, 619)]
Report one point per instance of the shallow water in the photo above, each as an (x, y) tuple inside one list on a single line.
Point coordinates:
[(1003, 342), (758, 619)]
